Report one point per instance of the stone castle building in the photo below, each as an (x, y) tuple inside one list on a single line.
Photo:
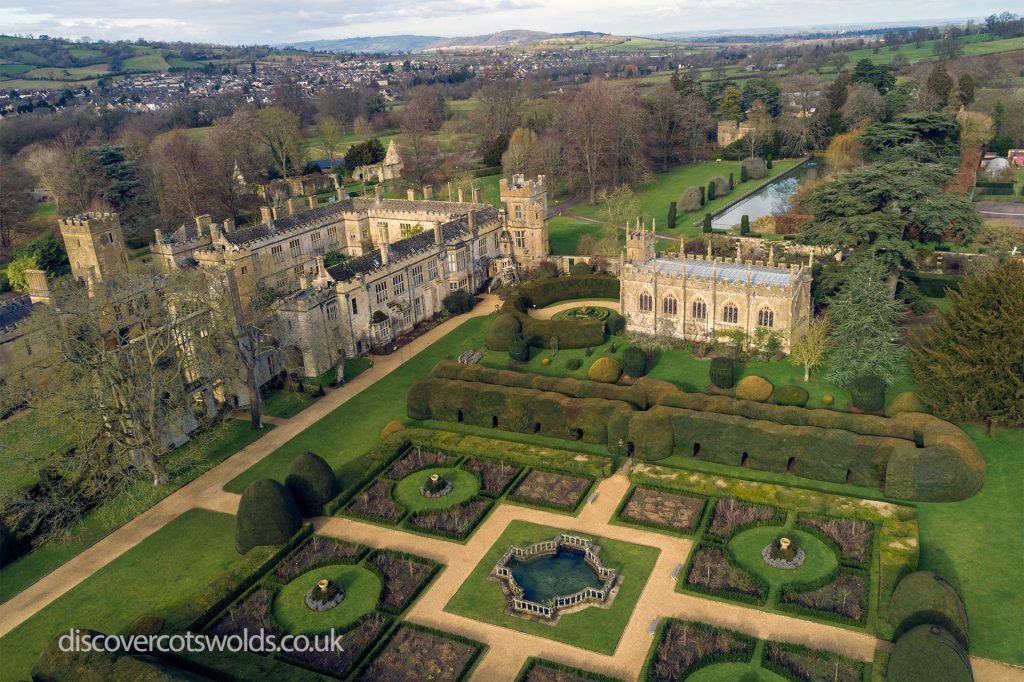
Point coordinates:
[(730, 131), (699, 298), (388, 169)]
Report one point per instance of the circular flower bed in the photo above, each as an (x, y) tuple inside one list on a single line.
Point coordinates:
[(435, 486), (411, 492), (324, 595), (783, 553), (359, 588), (586, 312), (751, 551)]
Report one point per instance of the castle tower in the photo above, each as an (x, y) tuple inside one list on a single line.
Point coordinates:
[(639, 243), (526, 207), (95, 244)]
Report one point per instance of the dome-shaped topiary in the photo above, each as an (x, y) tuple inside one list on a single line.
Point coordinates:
[(796, 396), (391, 428), (924, 598), (267, 515), (722, 372), (519, 349), (754, 388), (606, 370), (312, 483), (928, 653), (581, 267), (634, 362), (504, 328), (692, 199), (908, 401), (867, 392)]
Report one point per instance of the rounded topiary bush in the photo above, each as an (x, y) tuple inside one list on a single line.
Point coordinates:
[(391, 428), (926, 654), (634, 362), (924, 598), (573, 364), (722, 372), (581, 267), (606, 370), (692, 199), (312, 483), (504, 328), (519, 349), (867, 393), (458, 302), (721, 185), (756, 168), (754, 388), (267, 515), (908, 401), (791, 395), (828, 400)]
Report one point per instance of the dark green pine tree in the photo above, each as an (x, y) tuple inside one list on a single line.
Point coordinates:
[(969, 364)]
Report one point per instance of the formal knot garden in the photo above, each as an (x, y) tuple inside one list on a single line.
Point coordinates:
[(552, 577)]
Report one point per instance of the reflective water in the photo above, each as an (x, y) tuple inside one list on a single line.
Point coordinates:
[(771, 199), (554, 575)]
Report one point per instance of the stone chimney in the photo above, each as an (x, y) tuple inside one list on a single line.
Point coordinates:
[(410, 194), (265, 214), (293, 206), (310, 203), (229, 225), (384, 253), (158, 236), (378, 193), (438, 239), (428, 192), (215, 233), (203, 224), (459, 194), (478, 195), (471, 218)]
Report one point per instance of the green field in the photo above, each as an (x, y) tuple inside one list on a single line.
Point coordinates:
[(160, 576), (148, 62), (596, 629), (975, 45), (69, 74)]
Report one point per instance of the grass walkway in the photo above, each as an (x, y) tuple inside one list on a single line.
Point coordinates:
[(162, 574)]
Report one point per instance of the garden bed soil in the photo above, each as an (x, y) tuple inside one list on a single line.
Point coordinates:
[(374, 502), (684, 648), (542, 672), (356, 642), (711, 570), (662, 508), (810, 666), (851, 536), (413, 654), (457, 521), (403, 578), (731, 516), (494, 476), (251, 613), (318, 552), (551, 489), (415, 459), (846, 597)]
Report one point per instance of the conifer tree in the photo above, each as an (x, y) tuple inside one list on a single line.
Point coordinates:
[(969, 363)]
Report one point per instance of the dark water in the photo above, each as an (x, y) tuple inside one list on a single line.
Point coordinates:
[(771, 199), (554, 575)]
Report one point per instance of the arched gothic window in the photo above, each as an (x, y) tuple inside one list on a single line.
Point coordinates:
[(646, 302), (699, 309), (766, 317), (669, 305), (730, 313)]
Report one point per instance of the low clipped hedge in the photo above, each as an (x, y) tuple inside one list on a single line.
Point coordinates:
[(928, 653), (544, 292), (796, 396), (267, 515), (538, 333), (754, 388), (924, 598)]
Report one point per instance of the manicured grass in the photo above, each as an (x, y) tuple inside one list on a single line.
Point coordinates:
[(564, 234), (592, 628), (977, 545), (286, 404), (353, 368), (183, 464), (354, 428), (158, 576), (747, 546), (407, 492), (732, 672), (557, 368), (26, 441), (362, 590)]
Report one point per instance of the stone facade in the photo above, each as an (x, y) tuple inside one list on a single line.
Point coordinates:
[(705, 298), (730, 131), (95, 244), (388, 169)]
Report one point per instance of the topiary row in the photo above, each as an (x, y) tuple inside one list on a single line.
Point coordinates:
[(513, 323)]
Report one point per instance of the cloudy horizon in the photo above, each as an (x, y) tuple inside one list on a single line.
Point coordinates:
[(266, 22)]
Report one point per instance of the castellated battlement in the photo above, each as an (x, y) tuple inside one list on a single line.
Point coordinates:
[(521, 186), (91, 221)]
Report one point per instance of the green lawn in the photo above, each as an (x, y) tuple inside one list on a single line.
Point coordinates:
[(26, 441), (465, 485), (158, 576), (285, 404), (354, 428), (592, 628), (747, 545), (557, 368), (183, 464), (733, 672), (362, 590), (978, 545)]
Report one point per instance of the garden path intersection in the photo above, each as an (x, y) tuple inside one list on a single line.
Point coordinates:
[(508, 649)]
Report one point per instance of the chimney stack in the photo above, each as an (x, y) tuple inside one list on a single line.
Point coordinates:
[(384, 248), (438, 239), (428, 192), (378, 193), (459, 194), (229, 225), (158, 235), (471, 217), (477, 195), (410, 194)]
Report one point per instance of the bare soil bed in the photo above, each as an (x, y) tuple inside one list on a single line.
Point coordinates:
[(415, 459), (403, 578), (374, 502), (494, 476), (684, 646), (846, 597), (552, 490), (663, 509), (811, 666), (358, 640), (851, 536), (318, 552), (414, 654), (457, 522), (251, 613), (711, 571), (731, 516), (541, 671)]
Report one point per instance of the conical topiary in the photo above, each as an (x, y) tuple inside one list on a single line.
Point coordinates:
[(267, 515), (312, 483)]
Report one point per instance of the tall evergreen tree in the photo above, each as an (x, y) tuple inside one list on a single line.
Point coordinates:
[(970, 363), (864, 318)]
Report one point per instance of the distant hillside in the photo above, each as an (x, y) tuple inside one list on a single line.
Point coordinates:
[(385, 44), (490, 41)]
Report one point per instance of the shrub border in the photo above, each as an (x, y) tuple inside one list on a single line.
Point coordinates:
[(823, 654), (534, 661)]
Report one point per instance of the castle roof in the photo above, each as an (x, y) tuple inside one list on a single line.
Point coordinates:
[(759, 274)]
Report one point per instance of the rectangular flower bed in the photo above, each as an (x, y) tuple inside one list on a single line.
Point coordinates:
[(662, 509), (495, 476), (730, 516), (416, 458), (357, 641), (681, 648), (549, 489), (456, 522), (418, 653), (319, 551), (851, 537), (374, 502), (404, 577), (711, 572), (842, 597)]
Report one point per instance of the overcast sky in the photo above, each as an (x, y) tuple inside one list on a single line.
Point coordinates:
[(277, 21)]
